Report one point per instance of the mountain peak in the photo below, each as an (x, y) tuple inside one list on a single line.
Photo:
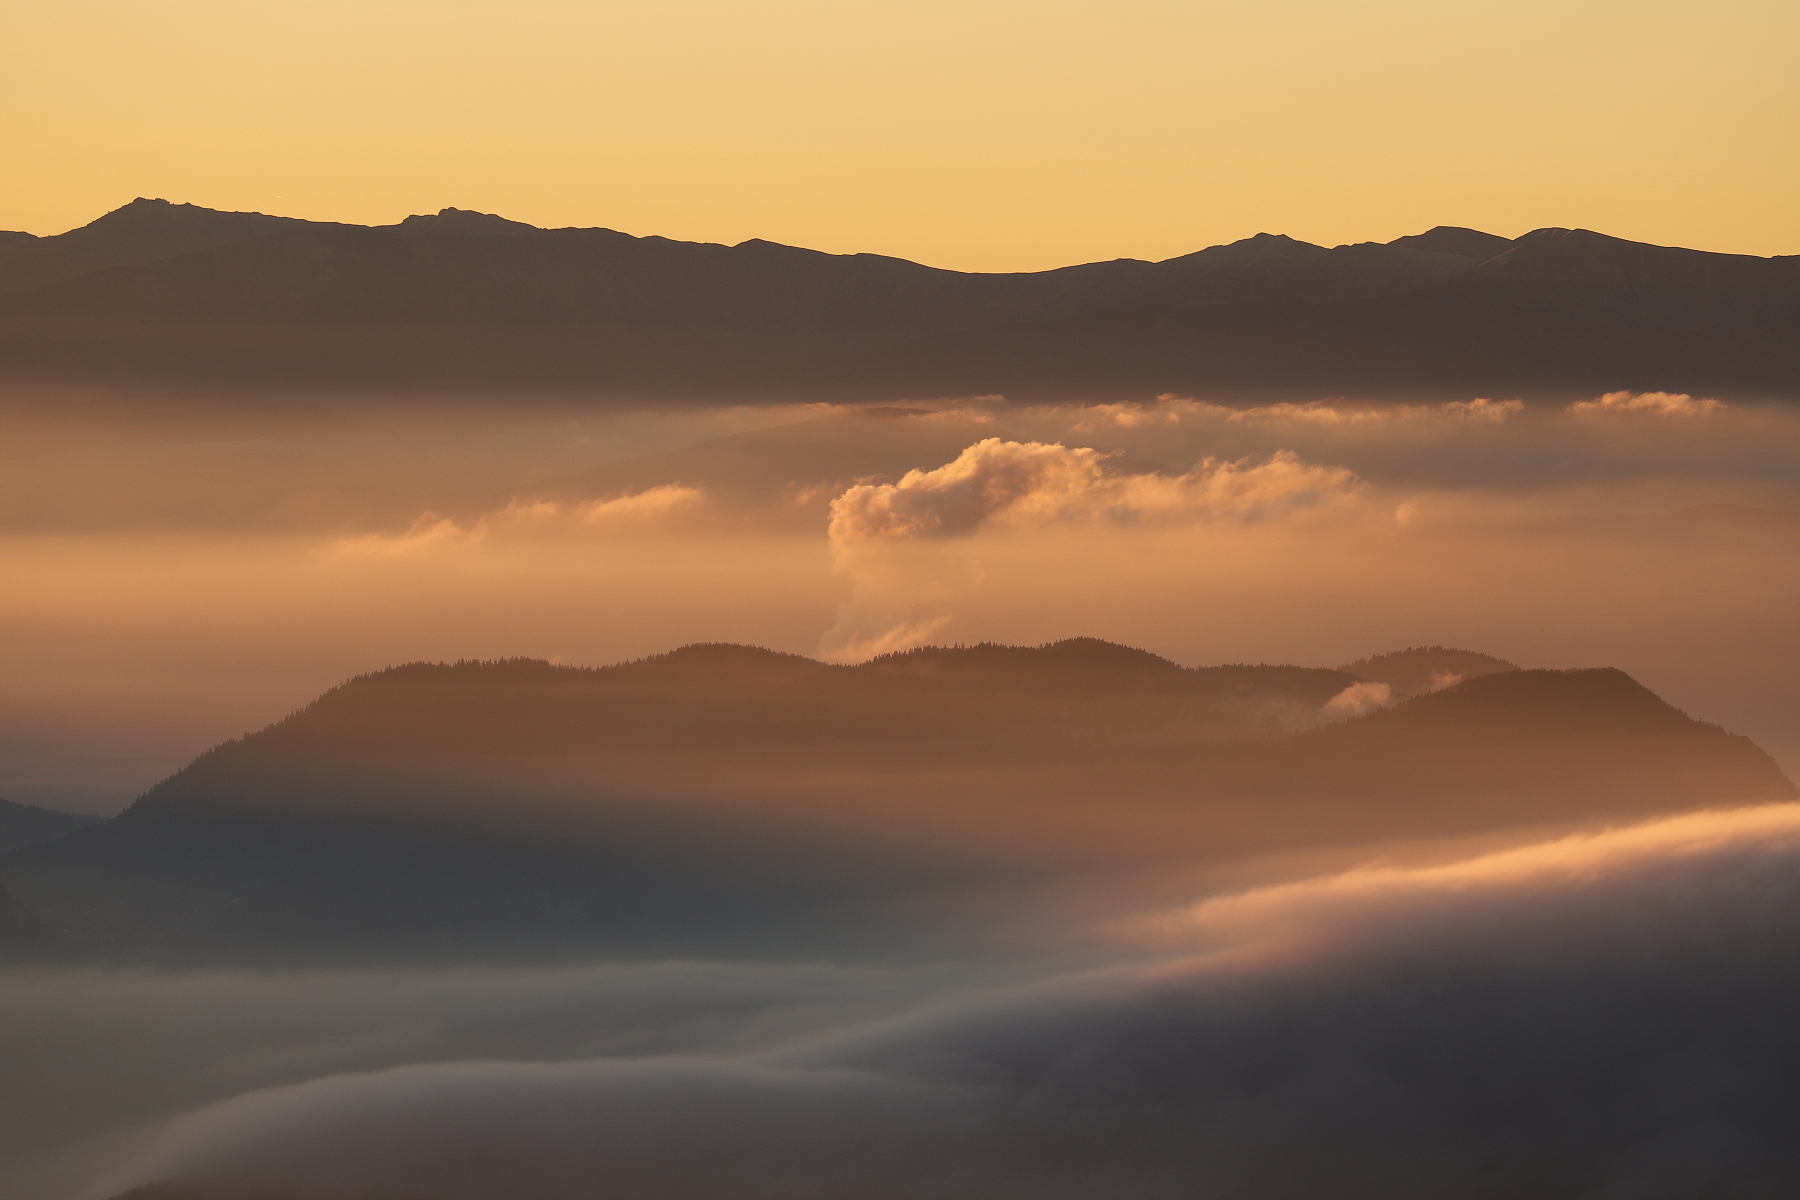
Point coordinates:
[(465, 221), (158, 215), (1454, 239), (1250, 250)]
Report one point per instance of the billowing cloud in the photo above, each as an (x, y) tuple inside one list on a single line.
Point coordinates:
[(1034, 483), (1597, 1017), (903, 593)]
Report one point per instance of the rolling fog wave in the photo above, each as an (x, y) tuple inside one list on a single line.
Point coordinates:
[(1602, 1016)]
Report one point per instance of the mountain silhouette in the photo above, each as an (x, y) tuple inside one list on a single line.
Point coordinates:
[(730, 799), (24, 825), (1453, 239), (144, 231), (156, 294)]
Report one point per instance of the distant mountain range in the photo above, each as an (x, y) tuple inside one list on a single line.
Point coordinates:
[(164, 295), (731, 800)]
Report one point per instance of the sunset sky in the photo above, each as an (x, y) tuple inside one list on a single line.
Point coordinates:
[(981, 135)]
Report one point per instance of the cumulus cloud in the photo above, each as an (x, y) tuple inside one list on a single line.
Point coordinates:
[(902, 597), (1660, 404), (1033, 483), (1606, 1016)]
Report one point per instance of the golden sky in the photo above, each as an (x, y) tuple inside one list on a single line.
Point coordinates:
[(981, 134)]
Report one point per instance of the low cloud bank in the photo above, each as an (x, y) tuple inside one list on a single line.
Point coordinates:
[(1609, 1016), (1175, 410), (1659, 404), (1479, 446), (97, 1059)]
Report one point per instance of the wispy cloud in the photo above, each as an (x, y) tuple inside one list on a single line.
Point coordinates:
[(652, 510), (1659, 404)]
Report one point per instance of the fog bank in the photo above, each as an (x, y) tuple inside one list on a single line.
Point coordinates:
[(1608, 1015)]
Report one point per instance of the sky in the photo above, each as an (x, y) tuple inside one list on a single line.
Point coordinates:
[(990, 135)]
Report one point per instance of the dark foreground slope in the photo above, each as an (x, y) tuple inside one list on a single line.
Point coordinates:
[(725, 799), (166, 295)]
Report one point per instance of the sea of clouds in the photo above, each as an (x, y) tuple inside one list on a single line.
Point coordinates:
[(1607, 1015)]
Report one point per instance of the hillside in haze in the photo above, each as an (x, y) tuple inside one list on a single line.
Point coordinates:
[(1421, 669), (23, 937), (155, 294), (727, 799), (24, 825)]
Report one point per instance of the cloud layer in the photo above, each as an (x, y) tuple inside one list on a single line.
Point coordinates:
[(1607, 1016), (1658, 404)]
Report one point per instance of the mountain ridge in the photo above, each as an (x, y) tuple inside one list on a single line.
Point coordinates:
[(172, 295)]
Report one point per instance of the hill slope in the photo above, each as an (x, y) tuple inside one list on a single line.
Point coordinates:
[(727, 799), (1421, 669)]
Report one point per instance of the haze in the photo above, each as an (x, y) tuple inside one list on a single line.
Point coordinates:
[(244, 557)]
